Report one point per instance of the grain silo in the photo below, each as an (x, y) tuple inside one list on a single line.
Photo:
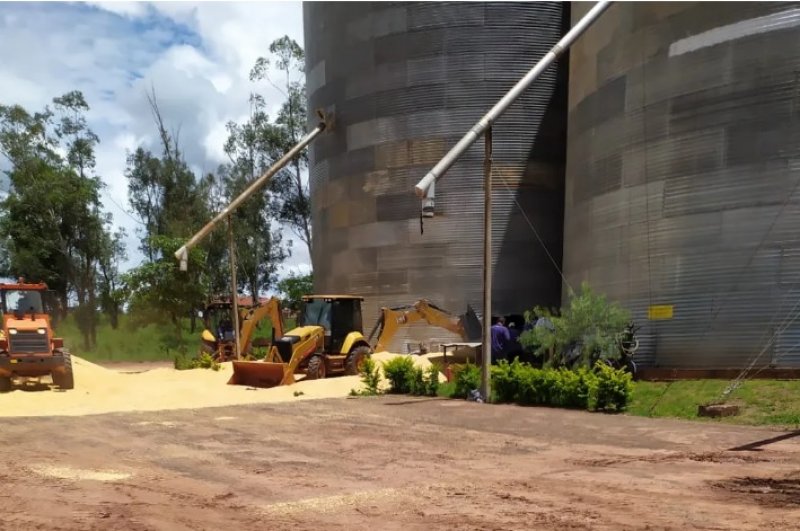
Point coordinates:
[(683, 164), (405, 81)]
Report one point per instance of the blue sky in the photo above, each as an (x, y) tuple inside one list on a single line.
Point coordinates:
[(196, 55)]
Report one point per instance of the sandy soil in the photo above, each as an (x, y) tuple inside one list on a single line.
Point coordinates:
[(392, 463), (154, 387)]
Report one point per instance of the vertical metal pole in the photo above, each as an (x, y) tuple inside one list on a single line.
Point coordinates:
[(486, 386), (234, 285)]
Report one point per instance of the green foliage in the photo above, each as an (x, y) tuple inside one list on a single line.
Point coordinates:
[(432, 380), (604, 389), (291, 201), (128, 342), (292, 289), (762, 402), (589, 318), (507, 380), (112, 291), (370, 377), (399, 371), (405, 378), (259, 247), (611, 390), (467, 378), (416, 382), (183, 362), (574, 389), (159, 289), (171, 204), (52, 227)]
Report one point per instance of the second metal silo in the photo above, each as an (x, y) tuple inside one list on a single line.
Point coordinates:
[(682, 175), (404, 81)]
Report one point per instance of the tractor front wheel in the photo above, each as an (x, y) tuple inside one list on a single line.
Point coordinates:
[(5, 385), (316, 369), (65, 379), (355, 360)]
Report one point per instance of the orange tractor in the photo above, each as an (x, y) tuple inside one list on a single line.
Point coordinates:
[(28, 345)]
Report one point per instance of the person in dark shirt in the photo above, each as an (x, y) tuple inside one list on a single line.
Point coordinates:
[(501, 339), (514, 349)]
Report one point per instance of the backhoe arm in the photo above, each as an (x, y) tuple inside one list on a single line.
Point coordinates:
[(392, 319), (438, 317), (270, 309)]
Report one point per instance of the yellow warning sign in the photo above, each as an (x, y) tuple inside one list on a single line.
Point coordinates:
[(663, 311)]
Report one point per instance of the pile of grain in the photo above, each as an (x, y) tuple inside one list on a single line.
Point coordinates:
[(100, 390)]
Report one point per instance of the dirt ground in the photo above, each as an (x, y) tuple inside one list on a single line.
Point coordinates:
[(392, 463)]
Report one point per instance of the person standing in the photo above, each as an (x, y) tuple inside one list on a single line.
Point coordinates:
[(514, 349), (501, 339)]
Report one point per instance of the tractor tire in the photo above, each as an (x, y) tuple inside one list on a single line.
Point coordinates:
[(355, 360), (5, 385), (316, 369), (65, 380)]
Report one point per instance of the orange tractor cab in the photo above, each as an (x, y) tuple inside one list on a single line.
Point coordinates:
[(28, 345)]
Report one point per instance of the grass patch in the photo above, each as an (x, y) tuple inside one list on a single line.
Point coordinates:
[(126, 343), (447, 390), (144, 343), (762, 402)]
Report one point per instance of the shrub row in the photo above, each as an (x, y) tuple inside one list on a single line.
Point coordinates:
[(603, 389), (184, 362), (405, 378)]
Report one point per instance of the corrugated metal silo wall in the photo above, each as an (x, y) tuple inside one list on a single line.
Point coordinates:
[(683, 144), (405, 81)]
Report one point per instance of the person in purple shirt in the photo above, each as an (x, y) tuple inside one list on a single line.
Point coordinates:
[(501, 339)]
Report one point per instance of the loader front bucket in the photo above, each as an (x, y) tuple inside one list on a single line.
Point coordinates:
[(260, 374)]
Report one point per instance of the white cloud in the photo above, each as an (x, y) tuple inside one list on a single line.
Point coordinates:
[(195, 55), (131, 9)]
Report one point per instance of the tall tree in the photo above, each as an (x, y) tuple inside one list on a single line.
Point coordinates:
[(110, 285), (293, 288), (291, 185), (162, 190), (159, 290), (173, 203), (52, 219), (30, 218), (87, 220), (259, 248)]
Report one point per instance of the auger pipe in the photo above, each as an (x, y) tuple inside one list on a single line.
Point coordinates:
[(505, 102), (182, 254)]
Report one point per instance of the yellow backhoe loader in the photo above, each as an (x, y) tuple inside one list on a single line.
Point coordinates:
[(328, 341), (467, 326), (221, 343)]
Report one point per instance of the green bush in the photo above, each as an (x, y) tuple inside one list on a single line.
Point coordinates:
[(604, 389), (506, 380), (611, 389), (405, 378), (589, 319), (399, 372), (572, 389), (417, 381), (432, 380), (183, 362), (467, 378), (370, 377), (533, 386)]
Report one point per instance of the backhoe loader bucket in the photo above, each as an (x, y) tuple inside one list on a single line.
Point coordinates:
[(261, 374)]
